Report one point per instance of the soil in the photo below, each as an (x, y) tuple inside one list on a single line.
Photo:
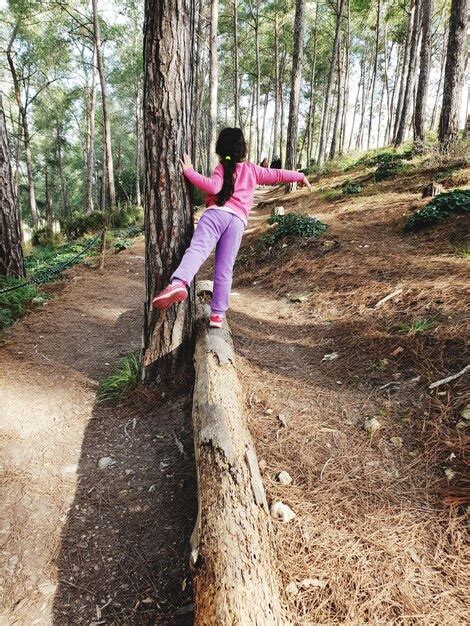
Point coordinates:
[(84, 545), (371, 529)]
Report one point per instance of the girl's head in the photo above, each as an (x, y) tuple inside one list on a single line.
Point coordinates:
[(231, 148)]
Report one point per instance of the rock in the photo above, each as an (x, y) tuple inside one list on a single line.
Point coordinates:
[(465, 412), (298, 297), (106, 461), (292, 589), (449, 472), (284, 478), (39, 300), (372, 425), (330, 357), (282, 512), (47, 588), (312, 582), (282, 419), (397, 442), (269, 411), (278, 210)]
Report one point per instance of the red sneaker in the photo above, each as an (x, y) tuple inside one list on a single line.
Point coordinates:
[(216, 320), (176, 292)]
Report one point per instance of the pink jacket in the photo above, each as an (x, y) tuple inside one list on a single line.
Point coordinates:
[(247, 176)]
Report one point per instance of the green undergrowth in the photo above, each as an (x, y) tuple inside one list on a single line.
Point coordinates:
[(120, 382), (439, 209), (292, 225), (13, 304)]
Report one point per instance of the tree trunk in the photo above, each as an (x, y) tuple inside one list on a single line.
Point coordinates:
[(235, 578), (410, 78), (47, 204), (403, 66), (374, 72), (263, 128), (424, 70), (345, 104), (106, 115), (11, 252), (437, 99), (213, 85), (453, 77), (277, 88), (90, 135), (338, 112), (168, 29), (63, 183), (236, 95), (138, 140), (312, 101), (296, 77), (329, 85)]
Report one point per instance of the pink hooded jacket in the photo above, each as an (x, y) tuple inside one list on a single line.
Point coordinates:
[(247, 176)]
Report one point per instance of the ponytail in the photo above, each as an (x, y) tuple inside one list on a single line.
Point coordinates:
[(231, 148)]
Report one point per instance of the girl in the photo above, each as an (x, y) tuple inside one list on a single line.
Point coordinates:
[(229, 198)]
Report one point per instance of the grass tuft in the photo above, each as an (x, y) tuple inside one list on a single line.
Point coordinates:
[(120, 382)]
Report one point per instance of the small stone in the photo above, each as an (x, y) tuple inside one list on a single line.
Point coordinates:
[(282, 512), (372, 425), (105, 462), (312, 582), (284, 478), (298, 297), (282, 419), (330, 357), (465, 412), (292, 589), (278, 210), (129, 472), (449, 472), (38, 300), (269, 411), (397, 442)]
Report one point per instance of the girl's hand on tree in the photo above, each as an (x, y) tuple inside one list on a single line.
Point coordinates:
[(186, 162), (306, 182)]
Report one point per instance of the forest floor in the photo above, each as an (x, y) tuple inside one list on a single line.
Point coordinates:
[(83, 545), (372, 537)]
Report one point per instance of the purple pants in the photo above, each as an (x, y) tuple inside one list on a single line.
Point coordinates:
[(223, 231)]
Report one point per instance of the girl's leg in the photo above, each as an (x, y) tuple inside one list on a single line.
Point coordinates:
[(208, 231), (225, 255)]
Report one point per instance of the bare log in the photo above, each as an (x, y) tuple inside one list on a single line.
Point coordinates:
[(235, 577)]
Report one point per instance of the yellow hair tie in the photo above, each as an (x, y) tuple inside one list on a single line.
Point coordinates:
[(228, 158)]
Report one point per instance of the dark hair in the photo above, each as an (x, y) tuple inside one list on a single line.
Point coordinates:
[(231, 148)]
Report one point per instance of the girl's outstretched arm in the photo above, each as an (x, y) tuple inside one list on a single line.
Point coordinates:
[(268, 176), (209, 184)]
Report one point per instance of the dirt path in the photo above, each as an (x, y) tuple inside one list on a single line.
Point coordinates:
[(83, 545)]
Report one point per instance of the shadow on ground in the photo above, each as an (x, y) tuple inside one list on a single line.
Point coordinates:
[(125, 546)]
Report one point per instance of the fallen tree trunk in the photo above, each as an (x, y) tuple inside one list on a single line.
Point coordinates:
[(235, 574)]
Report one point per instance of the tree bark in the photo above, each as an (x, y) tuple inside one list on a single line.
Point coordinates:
[(236, 94), (403, 66), (168, 72), (296, 77), (424, 70), (453, 77), (213, 85), (47, 204), (374, 72), (312, 100), (410, 77), (329, 87), (235, 577), (106, 114), (23, 115), (277, 88), (11, 251), (138, 140), (90, 134)]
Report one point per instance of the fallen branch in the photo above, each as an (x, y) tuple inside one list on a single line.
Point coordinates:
[(235, 574), (449, 379), (395, 293)]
